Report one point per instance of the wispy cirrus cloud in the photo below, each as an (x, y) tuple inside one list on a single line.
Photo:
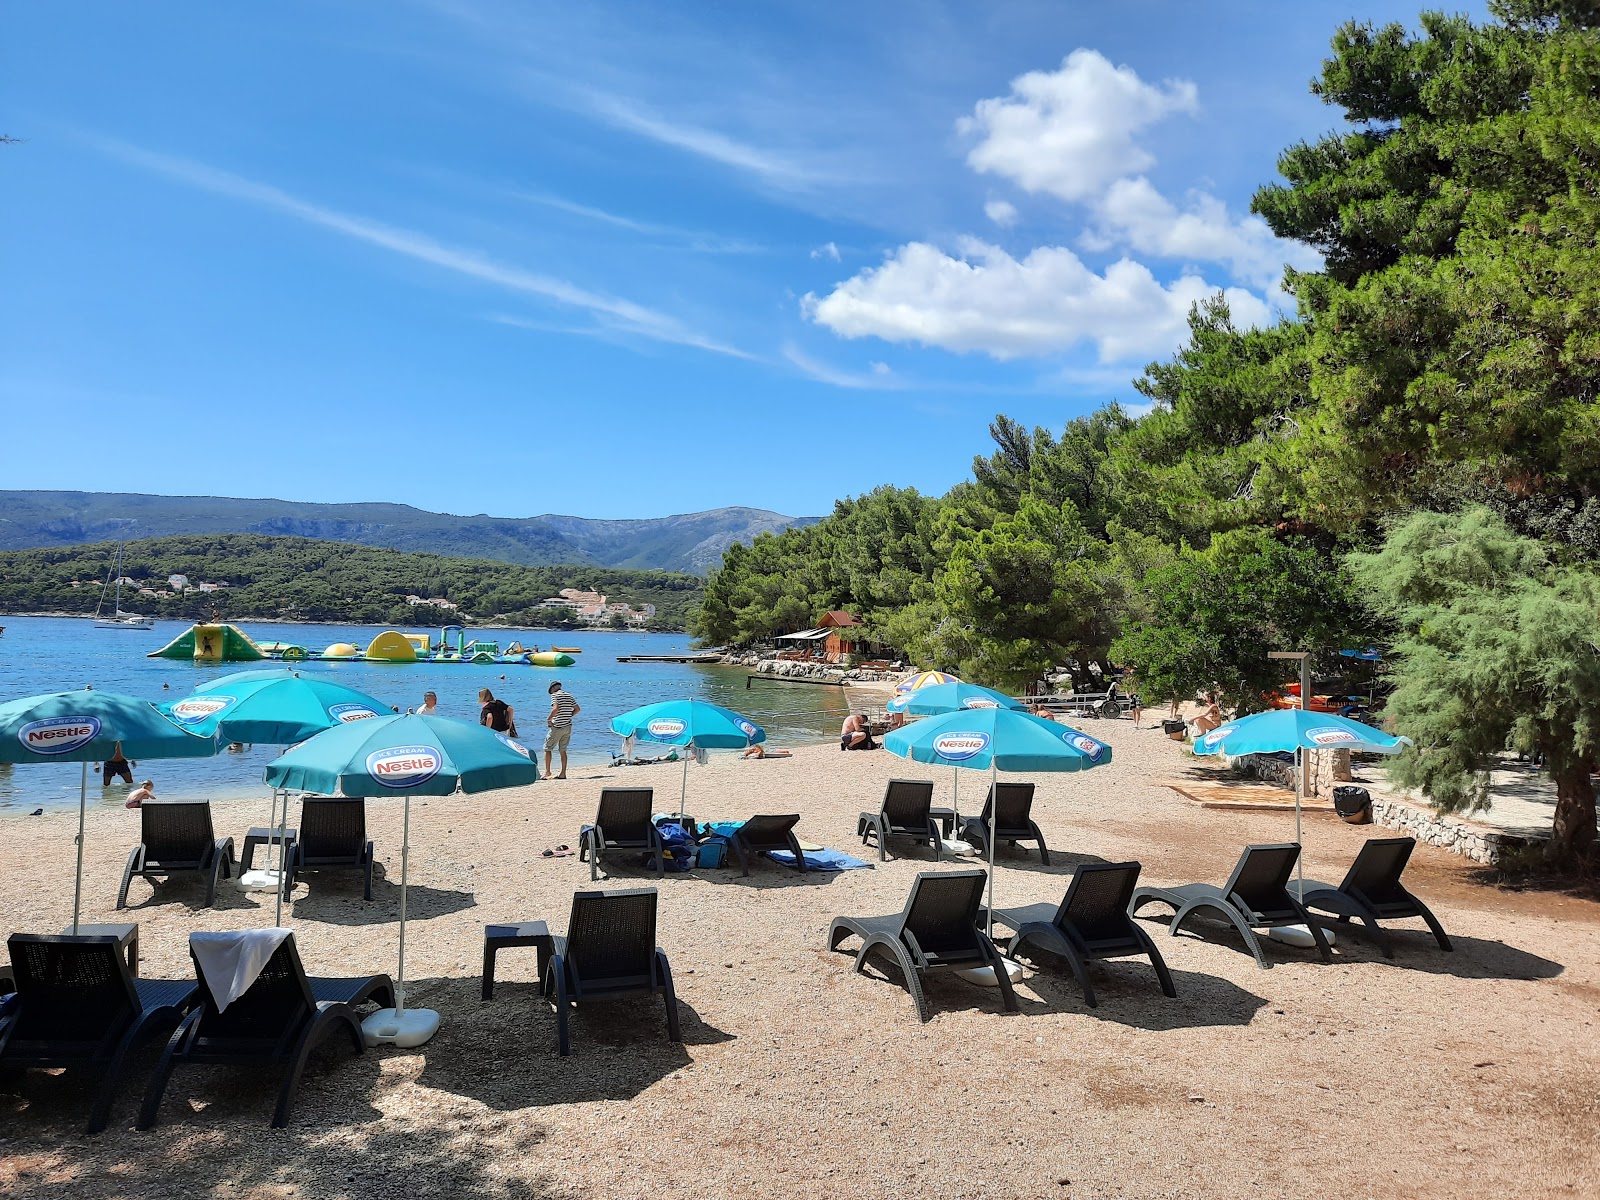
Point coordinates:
[(692, 239), (616, 312), (878, 378)]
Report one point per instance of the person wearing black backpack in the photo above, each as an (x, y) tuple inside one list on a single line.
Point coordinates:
[(496, 714)]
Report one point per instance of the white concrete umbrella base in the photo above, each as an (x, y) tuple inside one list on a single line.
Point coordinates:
[(984, 976), (259, 880), (412, 1027), (1297, 935)]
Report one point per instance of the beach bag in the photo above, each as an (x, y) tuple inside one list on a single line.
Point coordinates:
[(712, 853), (677, 845)]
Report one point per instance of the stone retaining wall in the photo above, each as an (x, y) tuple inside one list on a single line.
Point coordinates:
[(1473, 842)]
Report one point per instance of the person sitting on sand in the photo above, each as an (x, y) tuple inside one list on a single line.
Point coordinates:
[(855, 735), (1210, 715), (145, 791), (1042, 712)]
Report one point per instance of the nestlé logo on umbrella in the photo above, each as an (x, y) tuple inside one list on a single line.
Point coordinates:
[(666, 727), (197, 708), (404, 766), (1082, 741), (1331, 735), (745, 727), (957, 747), (345, 713), (978, 702), (58, 735)]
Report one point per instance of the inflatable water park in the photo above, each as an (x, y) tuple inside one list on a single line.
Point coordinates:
[(219, 643)]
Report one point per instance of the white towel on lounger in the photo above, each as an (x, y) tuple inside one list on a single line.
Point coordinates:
[(230, 962)]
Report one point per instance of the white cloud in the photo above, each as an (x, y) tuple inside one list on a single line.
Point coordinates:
[(1001, 212), (621, 314), (827, 250), (1071, 132), (705, 242), (988, 302), (1133, 213)]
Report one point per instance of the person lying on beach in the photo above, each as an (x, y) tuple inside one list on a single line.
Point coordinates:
[(145, 791), (757, 750)]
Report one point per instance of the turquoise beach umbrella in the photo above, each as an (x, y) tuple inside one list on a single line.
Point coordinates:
[(85, 727), (405, 755), (1287, 729), (274, 707), (934, 699), (997, 739), (696, 723), (953, 696)]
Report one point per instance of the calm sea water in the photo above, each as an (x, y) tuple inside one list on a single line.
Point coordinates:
[(39, 654)]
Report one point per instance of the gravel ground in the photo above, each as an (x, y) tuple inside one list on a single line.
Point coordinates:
[(1435, 1075)]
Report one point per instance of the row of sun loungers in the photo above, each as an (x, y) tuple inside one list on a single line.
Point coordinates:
[(78, 1003), (177, 838)]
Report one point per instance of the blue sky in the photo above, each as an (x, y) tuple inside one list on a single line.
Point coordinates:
[(616, 260)]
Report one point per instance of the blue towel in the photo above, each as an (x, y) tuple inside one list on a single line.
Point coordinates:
[(821, 860)]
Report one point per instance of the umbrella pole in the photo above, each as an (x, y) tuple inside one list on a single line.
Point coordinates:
[(1299, 792), (283, 850), (683, 792), (405, 854), (955, 802), (77, 884), (994, 814)]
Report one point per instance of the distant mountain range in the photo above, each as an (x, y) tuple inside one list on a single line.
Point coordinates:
[(692, 542)]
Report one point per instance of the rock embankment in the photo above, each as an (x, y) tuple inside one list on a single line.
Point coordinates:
[(793, 669)]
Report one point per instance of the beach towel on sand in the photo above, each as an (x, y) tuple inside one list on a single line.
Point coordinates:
[(230, 962), (821, 860)]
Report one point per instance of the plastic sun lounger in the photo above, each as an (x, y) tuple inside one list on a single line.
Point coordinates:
[(1013, 820), (763, 833), (622, 823), (278, 1021), (610, 950), (1091, 923), (937, 930), (1256, 896), (177, 838), (907, 811), (77, 1004), (332, 836), (1371, 892)]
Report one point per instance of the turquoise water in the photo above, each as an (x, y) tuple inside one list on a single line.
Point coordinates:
[(41, 654)]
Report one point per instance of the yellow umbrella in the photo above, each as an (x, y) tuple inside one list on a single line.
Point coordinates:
[(924, 679)]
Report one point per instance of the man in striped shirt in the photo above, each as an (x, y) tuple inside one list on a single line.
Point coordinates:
[(562, 709)]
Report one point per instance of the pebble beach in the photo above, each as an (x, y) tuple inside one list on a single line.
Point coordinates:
[(1430, 1075)]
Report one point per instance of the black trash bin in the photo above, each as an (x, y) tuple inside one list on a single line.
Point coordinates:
[(1353, 804), (1174, 729)]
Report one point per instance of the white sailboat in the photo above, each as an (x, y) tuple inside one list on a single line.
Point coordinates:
[(119, 619)]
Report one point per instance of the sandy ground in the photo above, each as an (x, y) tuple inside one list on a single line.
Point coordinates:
[(1435, 1075)]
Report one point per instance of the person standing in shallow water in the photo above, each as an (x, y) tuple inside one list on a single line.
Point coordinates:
[(559, 725)]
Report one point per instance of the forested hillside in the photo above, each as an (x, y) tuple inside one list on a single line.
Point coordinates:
[(687, 542), (1412, 461), (303, 579)]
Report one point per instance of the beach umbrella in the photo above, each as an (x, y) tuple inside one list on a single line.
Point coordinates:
[(279, 707), (694, 724), (405, 755), (1284, 730), (935, 699), (89, 726), (924, 679), (997, 739)]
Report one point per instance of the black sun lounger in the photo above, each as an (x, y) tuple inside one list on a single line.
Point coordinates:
[(1013, 820), (1089, 924), (758, 835), (333, 837), (610, 950), (176, 838), (78, 1005), (1256, 896), (278, 1021), (907, 811), (1372, 892), (622, 823), (937, 929)]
